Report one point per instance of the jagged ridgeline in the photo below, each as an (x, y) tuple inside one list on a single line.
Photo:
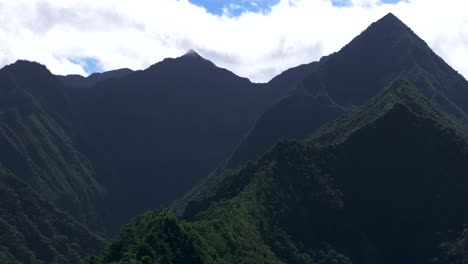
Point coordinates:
[(384, 184), (54, 130), (387, 50), (135, 128), (153, 134)]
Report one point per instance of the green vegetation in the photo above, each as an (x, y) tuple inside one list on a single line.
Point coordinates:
[(386, 51), (139, 128), (357, 191), (455, 250), (242, 226), (48, 194), (400, 95), (385, 183), (38, 149), (34, 231)]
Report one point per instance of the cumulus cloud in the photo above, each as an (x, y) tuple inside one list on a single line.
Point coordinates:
[(257, 45)]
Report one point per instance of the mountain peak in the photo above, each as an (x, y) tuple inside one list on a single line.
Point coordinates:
[(27, 67), (190, 60), (191, 53), (194, 56), (385, 49), (389, 23), (391, 17)]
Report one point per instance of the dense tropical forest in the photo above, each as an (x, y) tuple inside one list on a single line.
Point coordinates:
[(360, 157)]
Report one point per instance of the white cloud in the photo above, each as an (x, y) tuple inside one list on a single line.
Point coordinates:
[(136, 34)]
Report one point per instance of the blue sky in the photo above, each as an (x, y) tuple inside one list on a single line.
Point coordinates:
[(90, 65), (237, 7)]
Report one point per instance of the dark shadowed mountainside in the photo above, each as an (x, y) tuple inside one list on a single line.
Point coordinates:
[(386, 51), (383, 184), (153, 134), (150, 134), (360, 157), (79, 81), (33, 230), (36, 142)]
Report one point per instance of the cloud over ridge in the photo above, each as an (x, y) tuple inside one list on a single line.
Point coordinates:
[(257, 45)]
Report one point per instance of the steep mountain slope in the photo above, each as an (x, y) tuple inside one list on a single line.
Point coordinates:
[(152, 134), (37, 81), (384, 184), (36, 144), (290, 78), (180, 111), (319, 109), (34, 231), (455, 250), (386, 51)]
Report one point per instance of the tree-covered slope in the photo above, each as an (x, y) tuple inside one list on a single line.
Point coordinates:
[(36, 142), (385, 184), (320, 109), (455, 249), (33, 231), (241, 223), (136, 128), (153, 134), (386, 51)]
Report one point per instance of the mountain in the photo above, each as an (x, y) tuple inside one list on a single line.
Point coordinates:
[(386, 183), (290, 78), (342, 81), (35, 231), (383, 184), (455, 250), (153, 134), (36, 142), (35, 80), (87, 143), (79, 81)]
